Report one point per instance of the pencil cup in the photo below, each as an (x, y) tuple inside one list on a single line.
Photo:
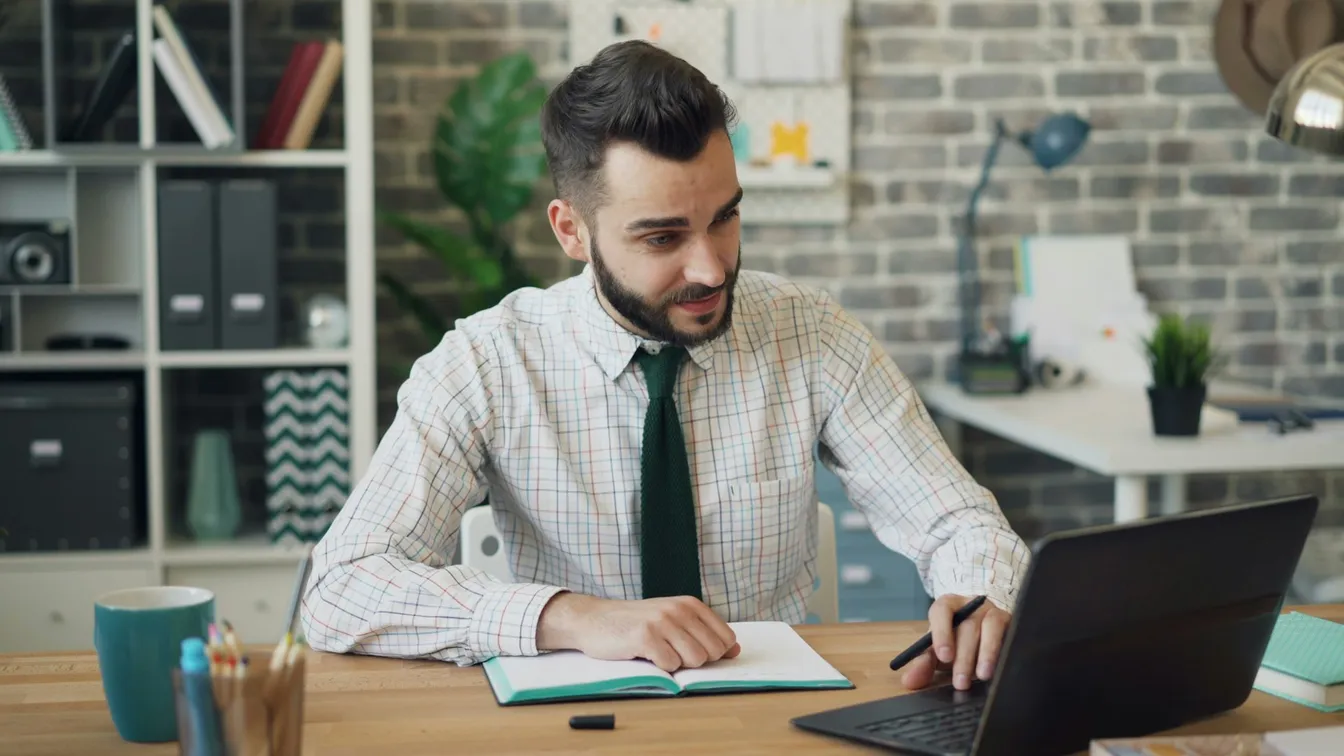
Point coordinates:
[(256, 713)]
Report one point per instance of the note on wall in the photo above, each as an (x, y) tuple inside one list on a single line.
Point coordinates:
[(798, 42)]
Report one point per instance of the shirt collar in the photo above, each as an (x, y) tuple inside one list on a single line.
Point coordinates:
[(610, 343)]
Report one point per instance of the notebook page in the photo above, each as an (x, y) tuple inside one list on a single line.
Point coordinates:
[(565, 668), (771, 652)]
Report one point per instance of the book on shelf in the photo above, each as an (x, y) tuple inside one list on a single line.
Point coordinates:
[(773, 658), (301, 96), (182, 71), (1304, 662), (14, 134), (115, 81)]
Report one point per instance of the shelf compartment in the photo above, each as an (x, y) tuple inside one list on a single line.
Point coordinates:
[(272, 31), (92, 63), (43, 317), (75, 449), (309, 242), (32, 194), (109, 241), (212, 34), (302, 415)]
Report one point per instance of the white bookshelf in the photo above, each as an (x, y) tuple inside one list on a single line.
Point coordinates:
[(48, 596)]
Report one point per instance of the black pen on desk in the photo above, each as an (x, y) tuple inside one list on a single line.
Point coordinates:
[(923, 644)]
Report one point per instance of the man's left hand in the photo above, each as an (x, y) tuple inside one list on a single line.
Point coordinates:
[(971, 650)]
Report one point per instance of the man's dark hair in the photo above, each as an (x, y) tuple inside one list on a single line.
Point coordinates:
[(630, 92)]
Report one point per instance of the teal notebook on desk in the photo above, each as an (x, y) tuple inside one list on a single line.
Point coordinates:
[(773, 657), (1304, 662)]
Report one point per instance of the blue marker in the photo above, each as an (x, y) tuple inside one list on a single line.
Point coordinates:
[(203, 736)]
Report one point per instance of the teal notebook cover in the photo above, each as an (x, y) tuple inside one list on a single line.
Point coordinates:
[(773, 657), (1309, 649)]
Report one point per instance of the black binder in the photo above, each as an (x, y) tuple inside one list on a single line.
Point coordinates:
[(249, 310), (188, 291)]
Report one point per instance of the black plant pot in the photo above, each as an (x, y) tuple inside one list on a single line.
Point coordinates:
[(1176, 411)]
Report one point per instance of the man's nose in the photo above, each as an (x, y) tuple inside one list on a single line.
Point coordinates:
[(704, 266)]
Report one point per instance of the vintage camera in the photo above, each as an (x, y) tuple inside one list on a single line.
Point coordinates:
[(34, 253)]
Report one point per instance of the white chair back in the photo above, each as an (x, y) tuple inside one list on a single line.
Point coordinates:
[(483, 548)]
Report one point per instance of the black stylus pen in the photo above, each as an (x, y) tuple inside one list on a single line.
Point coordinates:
[(924, 643)]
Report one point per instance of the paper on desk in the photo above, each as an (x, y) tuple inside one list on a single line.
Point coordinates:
[(1314, 741)]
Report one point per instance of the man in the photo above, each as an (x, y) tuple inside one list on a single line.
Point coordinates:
[(646, 431)]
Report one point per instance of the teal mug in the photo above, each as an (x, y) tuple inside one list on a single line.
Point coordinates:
[(138, 634)]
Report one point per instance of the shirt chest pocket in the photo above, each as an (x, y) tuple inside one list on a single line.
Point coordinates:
[(767, 528)]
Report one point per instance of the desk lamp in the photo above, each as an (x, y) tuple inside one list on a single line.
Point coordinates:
[(1307, 107), (990, 365)]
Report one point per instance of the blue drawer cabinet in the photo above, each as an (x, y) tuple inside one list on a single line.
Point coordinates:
[(876, 583)]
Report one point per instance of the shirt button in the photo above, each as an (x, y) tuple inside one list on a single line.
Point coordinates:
[(653, 348)]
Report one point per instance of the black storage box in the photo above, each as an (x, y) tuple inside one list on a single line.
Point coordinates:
[(71, 465)]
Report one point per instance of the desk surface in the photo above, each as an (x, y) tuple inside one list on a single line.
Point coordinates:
[(53, 704), (1108, 429)]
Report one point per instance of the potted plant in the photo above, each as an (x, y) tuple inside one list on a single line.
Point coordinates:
[(1182, 358), (488, 158)]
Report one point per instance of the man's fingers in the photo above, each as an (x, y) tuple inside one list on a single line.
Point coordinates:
[(919, 672), (687, 646), (716, 625), (940, 625), (732, 652), (968, 648), (991, 641), (661, 653), (710, 641)]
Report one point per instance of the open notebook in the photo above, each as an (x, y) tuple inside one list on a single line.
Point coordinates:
[(773, 657)]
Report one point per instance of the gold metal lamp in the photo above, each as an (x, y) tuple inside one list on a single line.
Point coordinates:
[(1307, 107)]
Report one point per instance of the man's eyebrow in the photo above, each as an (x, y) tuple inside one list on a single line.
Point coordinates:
[(678, 221)]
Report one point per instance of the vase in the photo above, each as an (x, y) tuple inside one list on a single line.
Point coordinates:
[(213, 512), (1176, 410)]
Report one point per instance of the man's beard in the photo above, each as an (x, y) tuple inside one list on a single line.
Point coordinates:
[(654, 319)]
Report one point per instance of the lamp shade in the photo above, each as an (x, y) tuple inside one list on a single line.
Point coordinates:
[(1307, 107), (1057, 140)]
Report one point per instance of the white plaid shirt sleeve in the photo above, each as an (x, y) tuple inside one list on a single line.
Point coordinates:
[(383, 585), (879, 439)]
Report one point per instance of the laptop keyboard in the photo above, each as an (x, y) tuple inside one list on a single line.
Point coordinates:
[(948, 728)]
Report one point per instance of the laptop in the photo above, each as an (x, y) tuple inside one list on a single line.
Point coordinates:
[(1120, 631)]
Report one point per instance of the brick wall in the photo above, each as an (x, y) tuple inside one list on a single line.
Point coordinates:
[(1226, 223)]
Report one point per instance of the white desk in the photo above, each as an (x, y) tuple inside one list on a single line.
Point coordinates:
[(1108, 429)]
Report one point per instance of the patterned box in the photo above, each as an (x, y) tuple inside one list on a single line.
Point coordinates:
[(307, 452)]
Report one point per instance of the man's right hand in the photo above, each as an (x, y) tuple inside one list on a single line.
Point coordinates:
[(672, 632)]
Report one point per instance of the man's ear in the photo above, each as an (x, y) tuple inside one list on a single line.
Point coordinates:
[(569, 229)]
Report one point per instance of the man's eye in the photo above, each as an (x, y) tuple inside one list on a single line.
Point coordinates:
[(729, 215), (660, 241)]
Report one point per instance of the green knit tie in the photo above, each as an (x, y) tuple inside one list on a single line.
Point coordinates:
[(669, 546)]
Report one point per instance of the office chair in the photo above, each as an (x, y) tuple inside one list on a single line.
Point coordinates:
[(483, 549)]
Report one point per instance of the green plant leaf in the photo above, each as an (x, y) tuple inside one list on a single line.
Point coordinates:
[(1181, 354), (461, 256), (488, 155), (431, 323)]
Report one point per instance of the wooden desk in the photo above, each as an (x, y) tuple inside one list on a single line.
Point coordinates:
[(53, 704)]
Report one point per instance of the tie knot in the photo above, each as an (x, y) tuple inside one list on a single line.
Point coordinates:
[(660, 370)]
